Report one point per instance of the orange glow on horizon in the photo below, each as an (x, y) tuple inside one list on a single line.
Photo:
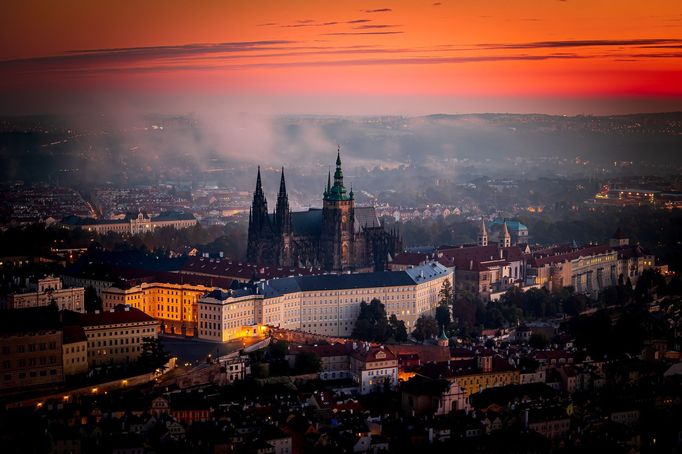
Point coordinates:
[(496, 48)]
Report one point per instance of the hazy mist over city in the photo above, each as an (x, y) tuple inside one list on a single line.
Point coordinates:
[(289, 227)]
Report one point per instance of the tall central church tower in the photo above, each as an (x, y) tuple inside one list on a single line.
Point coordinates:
[(338, 218)]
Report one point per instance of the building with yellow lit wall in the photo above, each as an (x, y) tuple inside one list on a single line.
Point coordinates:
[(224, 316), (477, 374), (174, 304)]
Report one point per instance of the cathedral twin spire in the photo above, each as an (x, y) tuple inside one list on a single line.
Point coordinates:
[(259, 207), (258, 215), (282, 213)]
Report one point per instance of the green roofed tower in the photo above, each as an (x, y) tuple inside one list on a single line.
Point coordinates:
[(338, 190)]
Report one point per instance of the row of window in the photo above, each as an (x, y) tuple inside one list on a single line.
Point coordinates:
[(122, 333), (30, 362), (31, 374), (42, 346)]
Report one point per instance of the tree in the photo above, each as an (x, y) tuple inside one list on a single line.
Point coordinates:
[(445, 292), (426, 327), (362, 329), (153, 353), (467, 311), (398, 328), (372, 323), (278, 349), (443, 315), (538, 340), (91, 300), (648, 281), (574, 304), (307, 363)]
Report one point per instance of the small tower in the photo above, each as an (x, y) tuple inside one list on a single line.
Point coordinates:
[(259, 206), (483, 234), (443, 340), (618, 239), (283, 224), (259, 226), (505, 237), (282, 212)]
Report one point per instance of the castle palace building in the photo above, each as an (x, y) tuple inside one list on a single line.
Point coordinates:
[(338, 237)]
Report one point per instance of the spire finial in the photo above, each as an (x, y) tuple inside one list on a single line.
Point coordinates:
[(338, 155), (259, 184), (282, 184)]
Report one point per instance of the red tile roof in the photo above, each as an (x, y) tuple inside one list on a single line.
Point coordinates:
[(479, 258), (409, 258), (73, 334), (426, 353), (119, 316), (243, 271), (564, 254), (323, 351), (368, 355)]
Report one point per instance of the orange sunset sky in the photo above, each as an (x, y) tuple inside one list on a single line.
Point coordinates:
[(354, 56)]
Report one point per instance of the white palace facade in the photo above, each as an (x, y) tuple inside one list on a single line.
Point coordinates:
[(327, 305)]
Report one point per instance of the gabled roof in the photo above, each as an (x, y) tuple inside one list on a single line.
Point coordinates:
[(307, 223), (619, 235), (373, 354), (119, 315), (174, 216), (421, 385), (512, 224), (73, 334), (323, 351), (564, 254), (409, 258), (365, 217)]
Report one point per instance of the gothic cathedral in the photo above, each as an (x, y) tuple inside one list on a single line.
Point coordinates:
[(338, 237)]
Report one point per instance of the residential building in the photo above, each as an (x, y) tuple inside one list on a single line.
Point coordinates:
[(433, 397), (552, 422), (31, 345), (373, 368), (486, 370), (48, 290), (75, 351), (334, 358), (116, 336), (588, 268), (132, 223)]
